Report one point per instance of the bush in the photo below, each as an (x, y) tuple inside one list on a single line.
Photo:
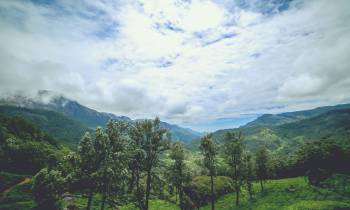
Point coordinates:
[(199, 189)]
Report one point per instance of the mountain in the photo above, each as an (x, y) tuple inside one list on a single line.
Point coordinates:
[(87, 117), (288, 117), (284, 133), (58, 103), (180, 133), (56, 124)]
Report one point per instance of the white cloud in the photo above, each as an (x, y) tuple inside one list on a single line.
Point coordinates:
[(186, 61)]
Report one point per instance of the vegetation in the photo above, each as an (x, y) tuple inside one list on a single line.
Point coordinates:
[(57, 125), (283, 138), (209, 153), (261, 166), (233, 150), (290, 193), (178, 176), (127, 165), (24, 148)]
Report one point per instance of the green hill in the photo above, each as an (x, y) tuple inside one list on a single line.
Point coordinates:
[(57, 125), (287, 137), (85, 116), (24, 148), (289, 117)]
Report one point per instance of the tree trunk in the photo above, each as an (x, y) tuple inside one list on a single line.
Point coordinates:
[(137, 183), (90, 197), (237, 196), (212, 193), (104, 197), (132, 182), (237, 187), (148, 188), (176, 195), (261, 185), (181, 199)]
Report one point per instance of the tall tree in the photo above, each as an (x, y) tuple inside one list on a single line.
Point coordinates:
[(86, 166), (102, 148), (233, 150), (208, 150), (249, 175), (178, 175), (151, 141), (136, 167), (117, 132), (261, 165)]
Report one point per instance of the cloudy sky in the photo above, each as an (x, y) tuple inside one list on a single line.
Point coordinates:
[(204, 64)]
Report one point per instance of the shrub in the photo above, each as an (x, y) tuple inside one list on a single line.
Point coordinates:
[(199, 189)]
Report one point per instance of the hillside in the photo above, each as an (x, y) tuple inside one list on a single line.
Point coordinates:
[(291, 194), (287, 137), (289, 117), (55, 102), (58, 125), (24, 148), (180, 133), (86, 117)]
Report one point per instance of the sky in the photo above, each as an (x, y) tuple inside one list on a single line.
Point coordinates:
[(203, 64)]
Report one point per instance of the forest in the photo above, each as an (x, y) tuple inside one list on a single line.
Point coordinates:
[(137, 165)]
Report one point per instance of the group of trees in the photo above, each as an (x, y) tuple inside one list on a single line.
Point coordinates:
[(113, 161), (123, 163), (239, 161)]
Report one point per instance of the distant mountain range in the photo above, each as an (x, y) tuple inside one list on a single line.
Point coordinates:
[(284, 133), (47, 107), (289, 117)]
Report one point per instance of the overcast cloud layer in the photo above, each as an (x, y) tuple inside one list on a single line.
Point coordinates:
[(200, 63)]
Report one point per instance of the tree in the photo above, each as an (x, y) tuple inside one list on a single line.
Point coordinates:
[(87, 166), (110, 149), (117, 132), (104, 172), (136, 164), (177, 172), (150, 141), (233, 151), (48, 186), (261, 165), (207, 148), (249, 175), (320, 159)]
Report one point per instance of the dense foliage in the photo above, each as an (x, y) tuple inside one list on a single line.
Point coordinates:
[(24, 148), (57, 125)]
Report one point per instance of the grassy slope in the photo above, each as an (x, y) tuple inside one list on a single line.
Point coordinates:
[(292, 193), (288, 137), (288, 194)]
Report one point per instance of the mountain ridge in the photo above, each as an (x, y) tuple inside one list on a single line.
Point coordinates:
[(88, 117)]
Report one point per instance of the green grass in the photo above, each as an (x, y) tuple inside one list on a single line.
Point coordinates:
[(81, 201), (284, 194), (319, 205), (8, 179), (19, 197), (292, 193), (155, 205)]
